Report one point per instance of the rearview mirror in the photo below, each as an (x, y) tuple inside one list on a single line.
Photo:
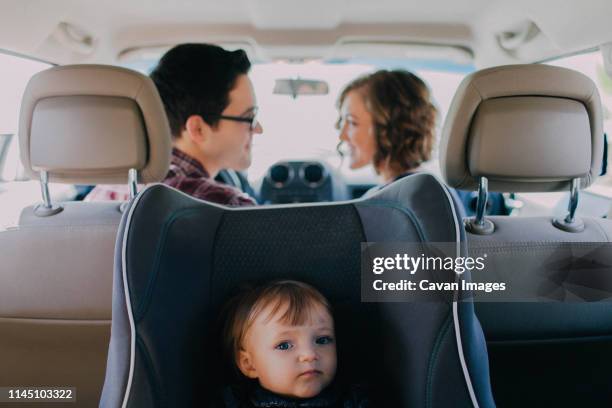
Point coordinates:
[(295, 87)]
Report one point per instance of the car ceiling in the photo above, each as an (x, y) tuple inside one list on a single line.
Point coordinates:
[(495, 32)]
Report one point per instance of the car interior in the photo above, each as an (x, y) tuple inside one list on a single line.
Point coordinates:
[(116, 299)]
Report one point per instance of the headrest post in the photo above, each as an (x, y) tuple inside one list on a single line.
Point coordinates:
[(573, 200), (44, 187), (571, 223), (481, 205), (133, 182), (479, 224), (46, 208)]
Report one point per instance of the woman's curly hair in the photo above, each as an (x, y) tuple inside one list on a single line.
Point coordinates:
[(403, 116)]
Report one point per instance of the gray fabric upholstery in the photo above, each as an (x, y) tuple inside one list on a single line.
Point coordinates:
[(516, 249), (89, 124), (543, 347), (182, 257), (518, 124)]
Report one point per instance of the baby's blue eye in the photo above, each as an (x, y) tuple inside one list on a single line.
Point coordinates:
[(285, 345), (324, 340)]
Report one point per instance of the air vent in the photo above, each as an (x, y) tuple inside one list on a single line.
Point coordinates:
[(279, 175), (313, 174)]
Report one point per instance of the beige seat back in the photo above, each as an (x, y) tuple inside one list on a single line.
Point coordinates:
[(535, 128), (82, 124)]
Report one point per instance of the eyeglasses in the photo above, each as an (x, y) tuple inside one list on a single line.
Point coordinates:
[(251, 120)]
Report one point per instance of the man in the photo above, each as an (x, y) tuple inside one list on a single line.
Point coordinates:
[(211, 108)]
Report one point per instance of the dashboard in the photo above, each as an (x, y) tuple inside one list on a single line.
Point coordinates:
[(308, 181), (305, 182)]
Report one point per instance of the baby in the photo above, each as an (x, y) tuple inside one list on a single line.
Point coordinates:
[(281, 338)]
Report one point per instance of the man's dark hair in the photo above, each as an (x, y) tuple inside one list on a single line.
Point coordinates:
[(196, 79)]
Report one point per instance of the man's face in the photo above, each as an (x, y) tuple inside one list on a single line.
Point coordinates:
[(232, 140), (294, 361)]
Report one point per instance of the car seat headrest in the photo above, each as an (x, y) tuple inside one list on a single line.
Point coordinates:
[(524, 128), (91, 124)]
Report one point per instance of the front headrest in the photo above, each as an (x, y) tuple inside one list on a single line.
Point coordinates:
[(90, 124), (525, 128)]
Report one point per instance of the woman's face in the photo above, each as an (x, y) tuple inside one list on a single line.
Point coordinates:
[(357, 130)]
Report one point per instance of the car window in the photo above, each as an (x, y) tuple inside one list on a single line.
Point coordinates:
[(595, 201), (591, 64), (15, 191), (15, 73)]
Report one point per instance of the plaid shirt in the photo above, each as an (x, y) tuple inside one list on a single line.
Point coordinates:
[(187, 175)]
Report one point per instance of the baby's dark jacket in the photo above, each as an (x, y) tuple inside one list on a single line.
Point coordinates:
[(258, 397)]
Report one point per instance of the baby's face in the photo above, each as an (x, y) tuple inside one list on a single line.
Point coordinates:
[(294, 361)]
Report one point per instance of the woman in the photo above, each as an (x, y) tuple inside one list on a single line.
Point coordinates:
[(387, 119)]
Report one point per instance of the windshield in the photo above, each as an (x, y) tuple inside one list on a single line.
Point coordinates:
[(304, 127)]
